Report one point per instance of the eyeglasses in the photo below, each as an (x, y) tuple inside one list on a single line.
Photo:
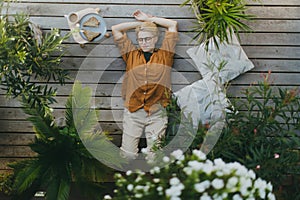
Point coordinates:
[(146, 39)]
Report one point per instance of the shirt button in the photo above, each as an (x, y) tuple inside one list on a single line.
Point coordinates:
[(145, 92), (145, 82)]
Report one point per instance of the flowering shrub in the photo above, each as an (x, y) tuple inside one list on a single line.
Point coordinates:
[(192, 176)]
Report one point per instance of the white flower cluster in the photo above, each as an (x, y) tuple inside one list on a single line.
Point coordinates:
[(225, 179), (196, 177)]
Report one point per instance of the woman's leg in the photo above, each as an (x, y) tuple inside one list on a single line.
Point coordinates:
[(133, 127)]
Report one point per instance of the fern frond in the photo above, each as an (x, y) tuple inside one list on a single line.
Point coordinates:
[(27, 175), (43, 123)]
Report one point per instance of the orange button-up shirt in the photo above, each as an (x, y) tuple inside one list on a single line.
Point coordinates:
[(147, 84)]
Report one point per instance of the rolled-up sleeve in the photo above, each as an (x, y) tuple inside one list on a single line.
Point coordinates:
[(125, 46), (169, 42)]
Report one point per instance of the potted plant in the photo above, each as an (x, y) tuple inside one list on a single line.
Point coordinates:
[(217, 20)]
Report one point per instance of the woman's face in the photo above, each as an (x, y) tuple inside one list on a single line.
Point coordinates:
[(147, 41)]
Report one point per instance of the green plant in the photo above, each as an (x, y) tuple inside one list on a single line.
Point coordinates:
[(261, 133), (5, 183), (192, 176), (61, 157), (27, 56), (218, 19)]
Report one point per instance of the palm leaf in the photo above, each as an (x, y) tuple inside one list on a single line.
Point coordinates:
[(59, 189), (43, 123), (26, 173), (84, 117)]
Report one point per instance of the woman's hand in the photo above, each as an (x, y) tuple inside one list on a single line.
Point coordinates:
[(141, 16)]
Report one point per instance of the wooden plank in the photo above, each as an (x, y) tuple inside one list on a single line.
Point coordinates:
[(121, 11), (16, 152), (258, 25), (111, 51), (277, 12), (46, 22), (117, 64), (249, 2), (16, 139), (275, 65), (108, 51), (272, 52), (13, 126), (37, 9), (253, 38), (18, 114), (274, 2), (271, 25), (137, 2), (102, 77), (282, 65), (291, 39)]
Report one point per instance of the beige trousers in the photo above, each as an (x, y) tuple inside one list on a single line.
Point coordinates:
[(135, 124)]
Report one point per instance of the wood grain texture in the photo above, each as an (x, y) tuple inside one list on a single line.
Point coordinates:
[(273, 44)]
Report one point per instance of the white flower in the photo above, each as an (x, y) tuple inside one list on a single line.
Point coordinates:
[(262, 193), (159, 188), (269, 186), (156, 180), (232, 181), (175, 198), (155, 170), (129, 172), (201, 187), (217, 197), (174, 181), (139, 187), (146, 188), (251, 174), (173, 191), (260, 184), (188, 170), (208, 167), (237, 197), (107, 197), (178, 154), (205, 197), (138, 195), (130, 187), (199, 154), (219, 163), (271, 196), (138, 179), (166, 159), (245, 184), (195, 165), (217, 183)]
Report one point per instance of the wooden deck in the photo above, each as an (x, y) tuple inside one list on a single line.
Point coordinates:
[(273, 45)]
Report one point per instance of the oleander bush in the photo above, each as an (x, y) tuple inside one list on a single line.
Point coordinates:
[(28, 57)]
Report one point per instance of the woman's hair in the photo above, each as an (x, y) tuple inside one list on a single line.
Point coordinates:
[(148, 27)]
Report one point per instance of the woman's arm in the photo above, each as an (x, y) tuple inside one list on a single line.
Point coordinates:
[(119, 29), (171, 25)]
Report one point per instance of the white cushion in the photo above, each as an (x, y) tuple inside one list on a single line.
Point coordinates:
[(204, 101), (232, 53)]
